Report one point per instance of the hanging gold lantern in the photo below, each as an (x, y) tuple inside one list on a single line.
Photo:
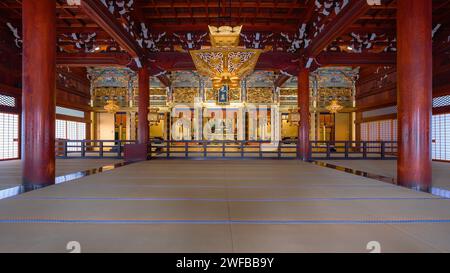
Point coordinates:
[(334, 107), (294, 116), (111, 107), (225, 62), (153, 116)]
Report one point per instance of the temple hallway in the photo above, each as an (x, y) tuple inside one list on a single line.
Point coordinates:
[(388, 168), (224, 206), (11, 171)]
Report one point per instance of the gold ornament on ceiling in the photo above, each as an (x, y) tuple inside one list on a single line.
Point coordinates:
[(225, 61)]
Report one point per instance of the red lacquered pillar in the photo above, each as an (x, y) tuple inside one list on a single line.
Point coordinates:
[(414, 68), (305, 117), (144, 103), (39, 92)]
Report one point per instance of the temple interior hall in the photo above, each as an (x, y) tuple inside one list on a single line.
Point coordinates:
[(228, 126)]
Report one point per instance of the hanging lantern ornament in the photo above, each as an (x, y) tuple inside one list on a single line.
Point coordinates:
[(111, 107), (294, 116), (334, 107), (153, 116), (225, 62)]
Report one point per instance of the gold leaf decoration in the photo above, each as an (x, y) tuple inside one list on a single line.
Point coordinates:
[(260, 95), (184, 95)]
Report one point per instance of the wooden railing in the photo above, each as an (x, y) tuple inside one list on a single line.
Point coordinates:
[(319, 150), (91, 148), (353, 150), (223, 149)]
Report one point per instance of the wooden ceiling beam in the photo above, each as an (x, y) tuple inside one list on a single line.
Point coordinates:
[(100, 15), (165, 80), (203, 27), (93, 59), (281, 79), (338, 26), (356, 59), (215, 4)]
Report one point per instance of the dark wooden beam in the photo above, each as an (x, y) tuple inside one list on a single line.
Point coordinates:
[(360, 59), (93, 59), (164, 80), (281, 79), (338, 26), (275, 61), (170, 27), (100, 15), (170, 61)]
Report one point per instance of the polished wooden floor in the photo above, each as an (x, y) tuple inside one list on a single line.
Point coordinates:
[(11, 171), (224, 206), (388, 168)]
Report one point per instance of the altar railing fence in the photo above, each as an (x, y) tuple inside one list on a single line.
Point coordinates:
[(204, 149)]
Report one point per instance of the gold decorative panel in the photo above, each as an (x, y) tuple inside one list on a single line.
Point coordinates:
[(259, 95), (334, 92), (184, 95), (158, 91), (153, 91), (110, 91), (288, 92), (102, 95), (341, 95)]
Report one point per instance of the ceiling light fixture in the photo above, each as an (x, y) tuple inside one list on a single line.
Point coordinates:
[(225, 61)]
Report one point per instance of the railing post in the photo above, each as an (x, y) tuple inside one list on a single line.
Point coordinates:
[(242, 148), (205, 149), (364, 149), (186, 149), (346, 149), (383, 147), (83, 148), (328, 150), (168, 148), (119, 148), (279, 149), (65, 152), (223, 148), (101, 149), (260, 150)]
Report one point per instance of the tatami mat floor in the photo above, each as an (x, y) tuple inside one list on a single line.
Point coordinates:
[(224, 206)]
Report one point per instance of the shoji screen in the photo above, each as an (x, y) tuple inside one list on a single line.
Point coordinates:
[(9, 128), (382, 130), (441, 137), (9, 136)]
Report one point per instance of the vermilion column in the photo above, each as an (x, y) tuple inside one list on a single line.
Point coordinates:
[(144, 86), (39, 89), (305, 118), (414, 68)]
